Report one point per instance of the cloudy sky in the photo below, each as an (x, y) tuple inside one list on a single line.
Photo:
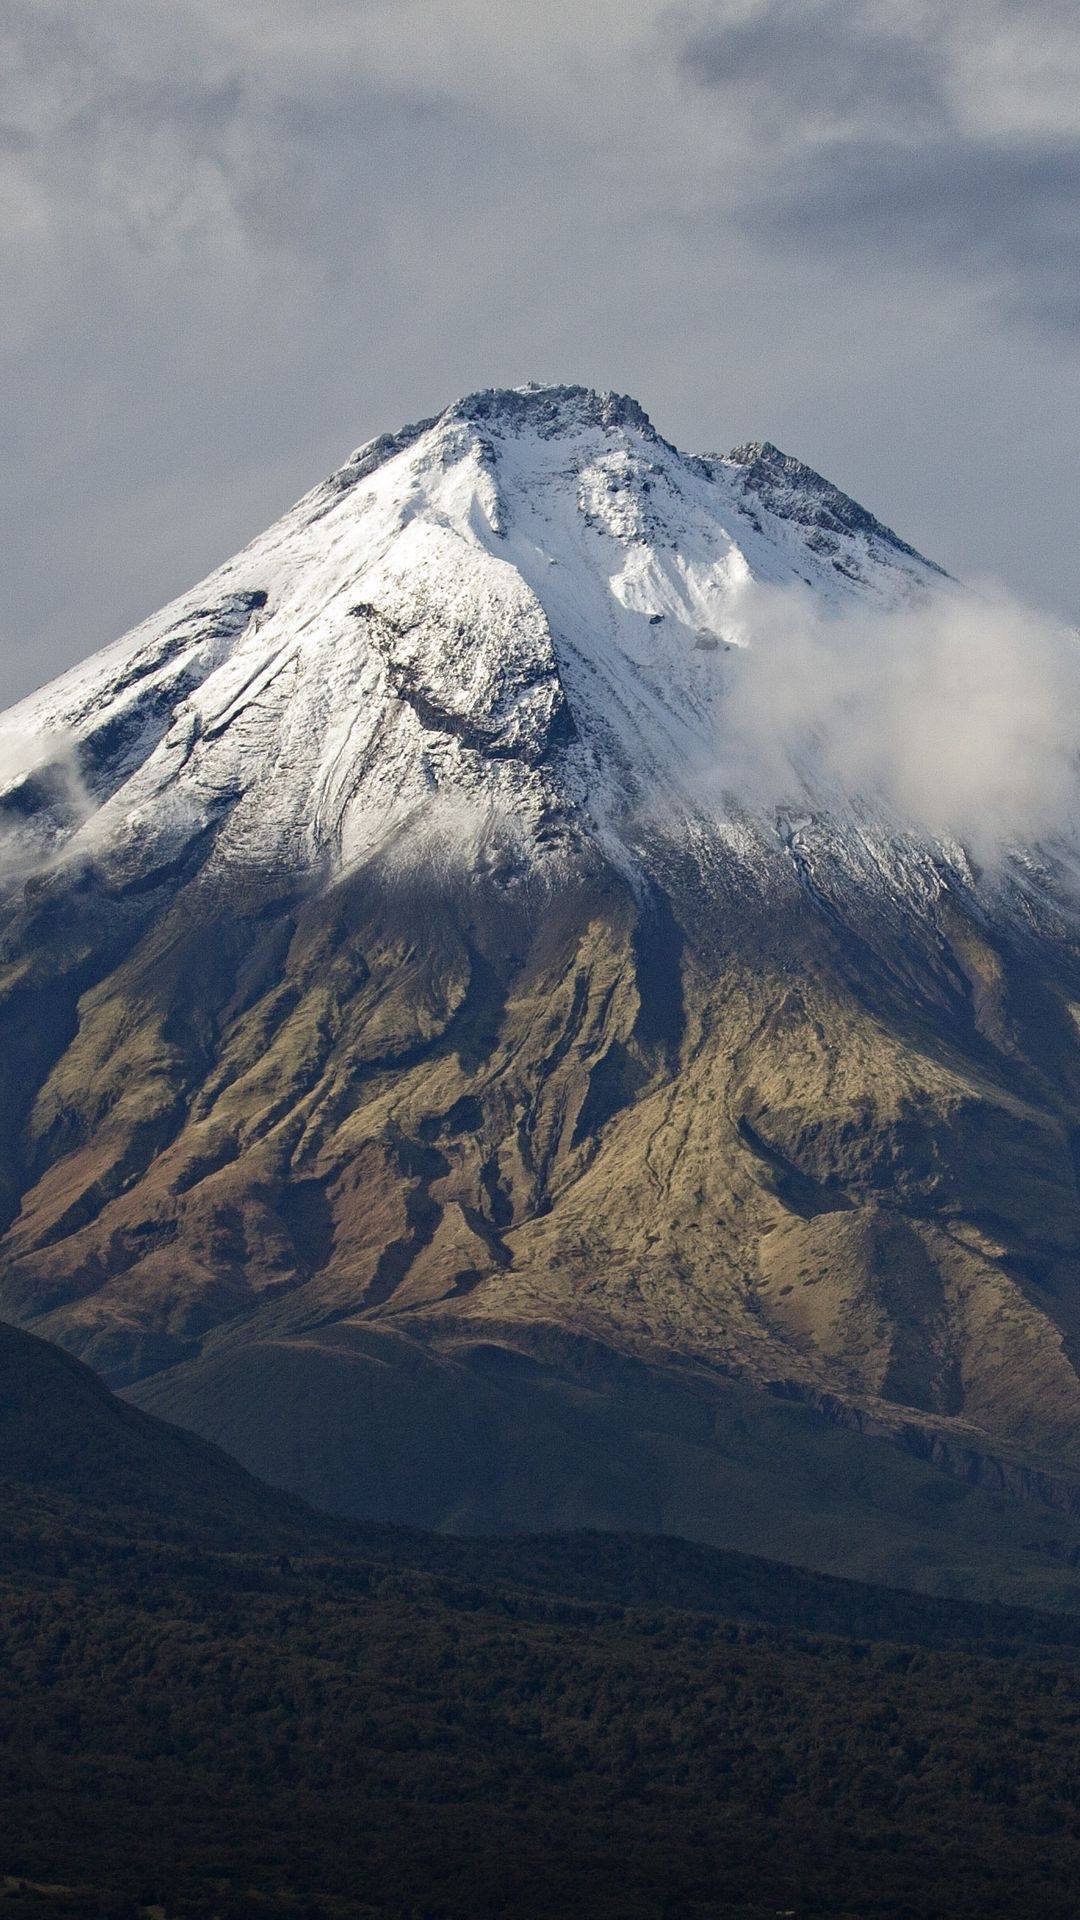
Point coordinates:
[(240, 236)]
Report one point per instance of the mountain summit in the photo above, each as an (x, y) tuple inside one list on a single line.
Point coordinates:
[(425, 1078), (514, 626)]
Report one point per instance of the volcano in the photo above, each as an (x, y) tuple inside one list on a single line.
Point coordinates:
[(430, 1075)]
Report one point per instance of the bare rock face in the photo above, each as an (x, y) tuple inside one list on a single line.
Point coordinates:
[(419, 1081)]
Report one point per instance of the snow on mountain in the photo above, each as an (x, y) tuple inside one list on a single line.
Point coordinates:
[(516, 621)]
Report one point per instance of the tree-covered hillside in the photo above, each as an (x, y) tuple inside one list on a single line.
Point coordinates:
[(270, 1718)]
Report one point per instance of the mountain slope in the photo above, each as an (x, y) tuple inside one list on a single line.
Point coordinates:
[(72, 1452), (419, 1080), (79, 1460)]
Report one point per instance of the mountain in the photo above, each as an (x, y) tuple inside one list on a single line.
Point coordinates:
[(217, 1703), (428, 1076), (80, 1463), (73, 1452)]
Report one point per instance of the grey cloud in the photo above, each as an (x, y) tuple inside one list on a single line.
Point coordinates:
[(319, 184), (824, 58), (1001, 213), (871, 156), (211, 138)]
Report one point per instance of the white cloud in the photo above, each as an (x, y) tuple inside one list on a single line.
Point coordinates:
[(957, 716), (45, 800)]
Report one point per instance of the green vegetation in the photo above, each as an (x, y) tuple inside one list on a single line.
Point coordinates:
[(260, 1714), (225, 1734)]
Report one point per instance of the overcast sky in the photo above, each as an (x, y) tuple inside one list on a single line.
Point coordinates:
[(241, 236)]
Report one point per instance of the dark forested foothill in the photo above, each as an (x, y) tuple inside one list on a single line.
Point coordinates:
[(268, 1719)]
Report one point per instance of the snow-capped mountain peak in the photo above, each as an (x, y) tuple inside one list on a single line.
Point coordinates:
[(514, 618)]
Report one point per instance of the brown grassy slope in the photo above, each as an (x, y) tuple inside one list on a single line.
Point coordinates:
[(776, 1147)]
